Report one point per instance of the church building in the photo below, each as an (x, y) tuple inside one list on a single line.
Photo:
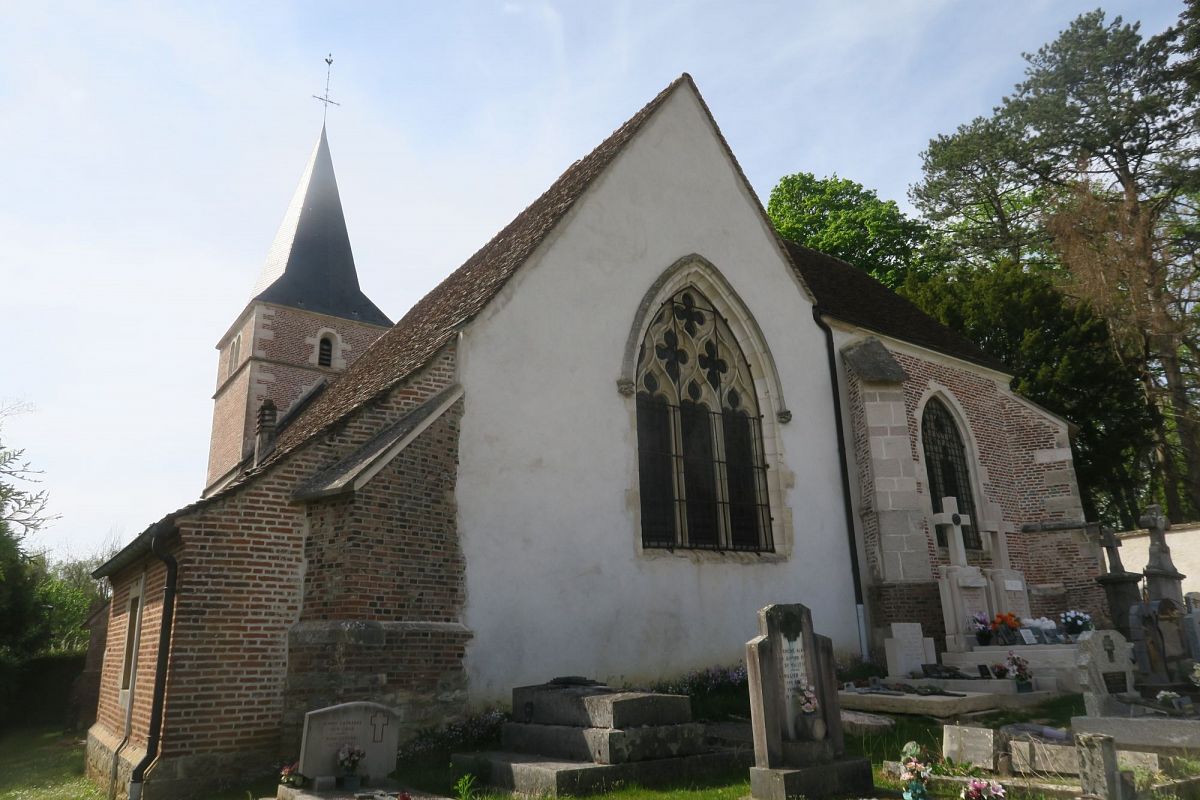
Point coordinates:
[(629, 421)]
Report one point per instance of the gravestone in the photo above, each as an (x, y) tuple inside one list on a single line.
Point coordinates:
[(795, 716), (1120, 586), (963, 588), (908, 650), (1099, 775), (1105, 665), (1007, 590), (371, 726), (1159, 643), (1163, 581), (966, 744)]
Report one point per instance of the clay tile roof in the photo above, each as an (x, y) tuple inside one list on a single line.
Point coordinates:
[(852, 295), (433, 321)]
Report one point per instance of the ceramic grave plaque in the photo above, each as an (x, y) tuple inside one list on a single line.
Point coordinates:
[(371, 726), (907, 649)]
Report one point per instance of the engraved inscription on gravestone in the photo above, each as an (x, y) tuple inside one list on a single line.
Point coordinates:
[(370, 726), (795, 682)]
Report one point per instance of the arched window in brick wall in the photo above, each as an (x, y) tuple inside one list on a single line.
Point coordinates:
[(702, 474), (325, 352), (947, 469)]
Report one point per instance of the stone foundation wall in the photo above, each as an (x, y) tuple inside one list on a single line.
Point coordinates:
[(918, 601), (414, 668)]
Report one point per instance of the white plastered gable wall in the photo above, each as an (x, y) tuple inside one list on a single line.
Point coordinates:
[(547, 488)]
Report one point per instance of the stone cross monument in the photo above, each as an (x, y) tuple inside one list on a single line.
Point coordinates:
[(1163, 581), (963, 589)]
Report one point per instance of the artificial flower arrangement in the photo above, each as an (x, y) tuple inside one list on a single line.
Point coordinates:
[(808, 702), (1041, 623), (1005, 620), (289, 775), (983, 627), (980, 789), (1017, 667), (914, 773), (349, 756), (1075, 622), (1167, 698), (1196, 674)]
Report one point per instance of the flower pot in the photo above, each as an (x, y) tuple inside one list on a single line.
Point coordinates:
[(810, 727), (1024, 686), (983, 637), (351, 783)]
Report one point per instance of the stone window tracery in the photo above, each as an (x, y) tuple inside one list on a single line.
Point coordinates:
[(947, 468), (702, 473)]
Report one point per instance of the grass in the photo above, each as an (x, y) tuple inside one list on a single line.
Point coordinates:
[(43, 764), (46, 764)]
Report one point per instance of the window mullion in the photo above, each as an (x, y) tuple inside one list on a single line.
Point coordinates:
[(724, 524), (681, 533)]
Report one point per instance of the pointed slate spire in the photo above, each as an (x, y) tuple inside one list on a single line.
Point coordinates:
[(310, 265)]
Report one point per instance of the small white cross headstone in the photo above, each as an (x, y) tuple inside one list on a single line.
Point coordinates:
[(952, 519)]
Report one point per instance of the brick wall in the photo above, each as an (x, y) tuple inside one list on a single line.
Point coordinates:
[(1022, 470), (278, 360), (242, 593)]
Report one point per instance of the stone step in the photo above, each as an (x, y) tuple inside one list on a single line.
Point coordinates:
[(597, 707), (604, 745), (537, 776)]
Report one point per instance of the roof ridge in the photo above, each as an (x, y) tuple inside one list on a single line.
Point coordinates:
[(873, 305), (460, 296)]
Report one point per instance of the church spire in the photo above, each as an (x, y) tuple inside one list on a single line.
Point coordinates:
[(310, 265)]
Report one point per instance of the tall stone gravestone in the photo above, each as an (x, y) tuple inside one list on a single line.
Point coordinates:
[(1163, 581), (963, 588), (1104, 660), (371, 726), (1007, 590), (798, 746), (908, 649)]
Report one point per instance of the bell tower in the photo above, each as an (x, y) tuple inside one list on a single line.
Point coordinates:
[(306, 321)]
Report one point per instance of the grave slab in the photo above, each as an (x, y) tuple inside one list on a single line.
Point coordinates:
[(596, 706), (1153, 734), (850, 776), (538, 776), (604, 745), (929, 705), (966, 744)]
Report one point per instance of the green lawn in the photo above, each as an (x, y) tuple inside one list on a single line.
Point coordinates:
[(42, 764), (45, 764)]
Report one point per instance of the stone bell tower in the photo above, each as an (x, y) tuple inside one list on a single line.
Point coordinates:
[(306, 322)]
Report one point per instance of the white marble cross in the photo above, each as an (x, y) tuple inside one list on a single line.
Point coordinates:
[(950, 518)]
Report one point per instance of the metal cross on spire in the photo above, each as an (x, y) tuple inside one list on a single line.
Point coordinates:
[(325, 98)]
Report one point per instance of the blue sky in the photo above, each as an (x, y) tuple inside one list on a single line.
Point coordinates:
[(151, 149)]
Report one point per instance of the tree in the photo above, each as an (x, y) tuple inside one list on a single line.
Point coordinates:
[(1101, 137), (985, 208), (839, 217), (1061, 356)]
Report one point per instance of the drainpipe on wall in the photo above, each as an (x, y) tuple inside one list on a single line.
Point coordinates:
[(160, 668), (847, 505)]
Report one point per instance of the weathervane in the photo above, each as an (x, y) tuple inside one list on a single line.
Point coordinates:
[(325, 99)]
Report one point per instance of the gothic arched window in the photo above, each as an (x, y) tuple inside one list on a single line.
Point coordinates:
[(700, 448), (946, 467)]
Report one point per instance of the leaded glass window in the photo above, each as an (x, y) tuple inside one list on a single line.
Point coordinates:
[(946, 466), (700, 450)]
